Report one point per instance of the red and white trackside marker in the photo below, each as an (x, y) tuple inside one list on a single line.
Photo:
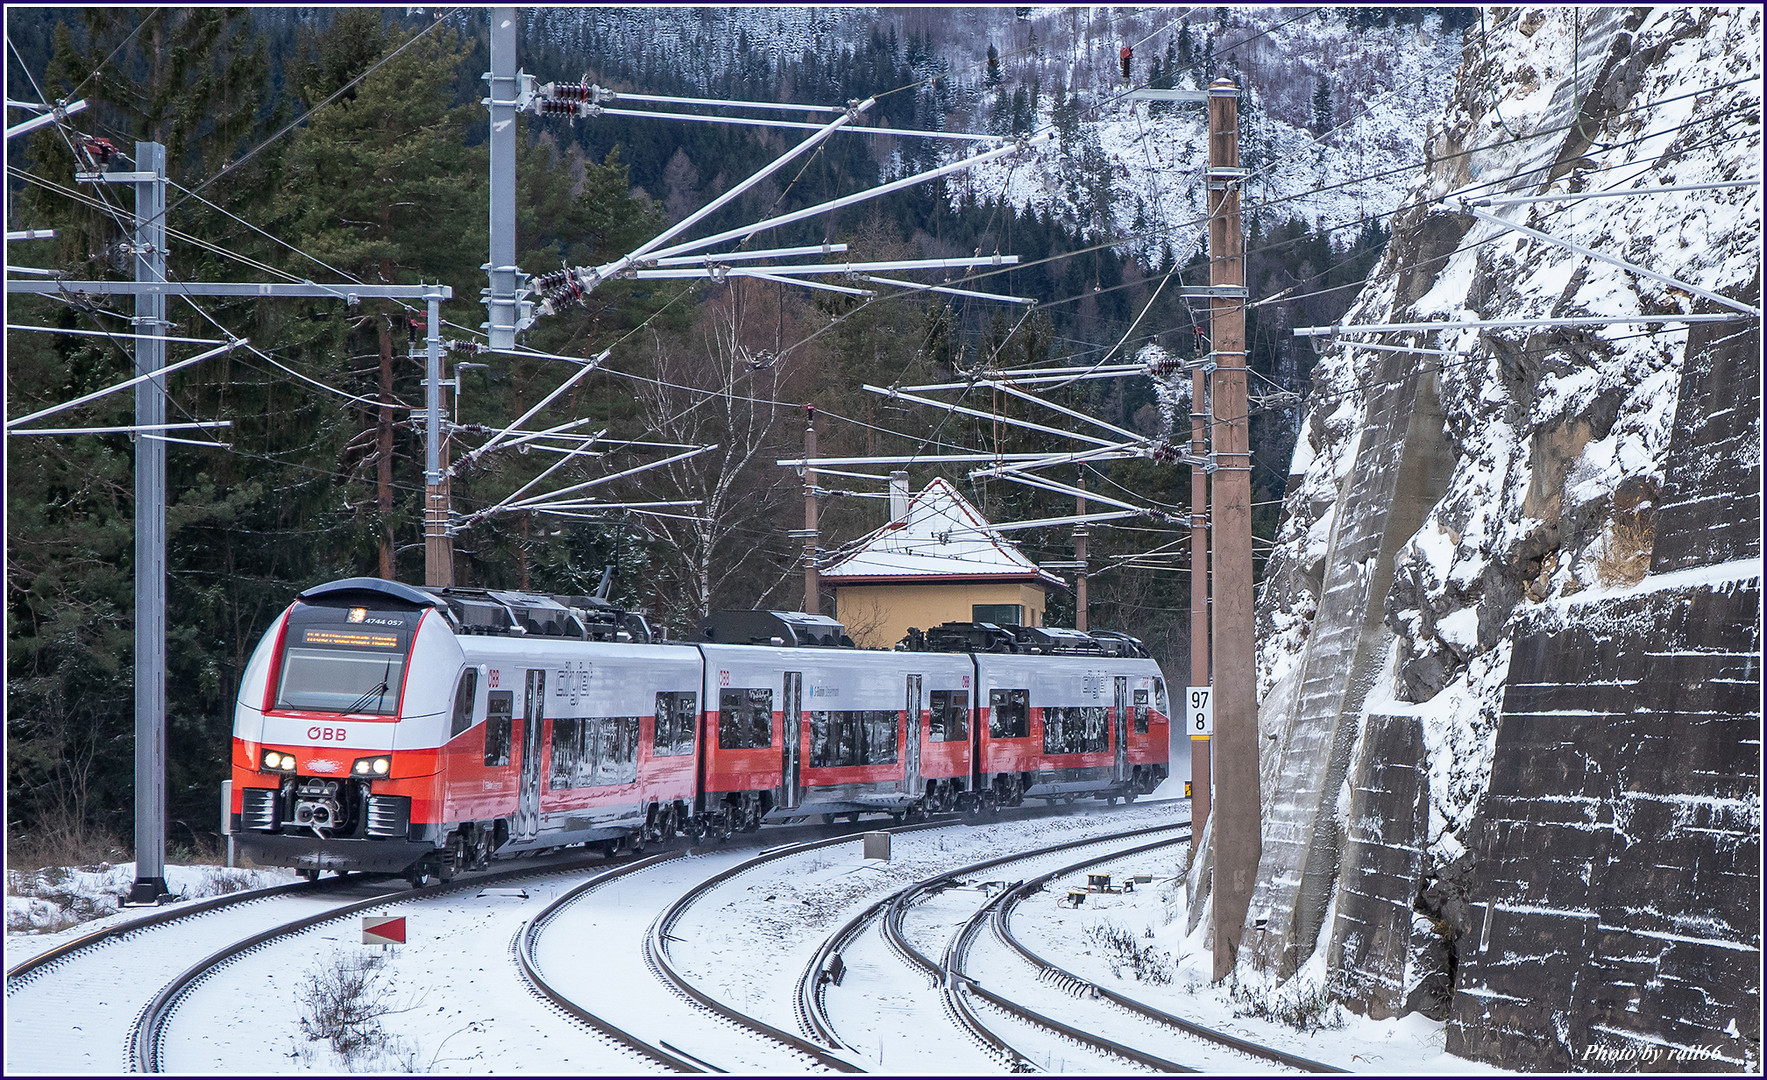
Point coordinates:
[(383, 930)]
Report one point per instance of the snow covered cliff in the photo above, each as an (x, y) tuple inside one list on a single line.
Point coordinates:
[(1509, 657)]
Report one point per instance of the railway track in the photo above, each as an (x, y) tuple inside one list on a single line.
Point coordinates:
[(656, 948), (146, 1039), (889, 914), (88, 984), (1162, 1027), (145, 1000)]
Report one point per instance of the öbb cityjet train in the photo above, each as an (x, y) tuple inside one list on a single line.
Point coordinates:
[(383, 727)]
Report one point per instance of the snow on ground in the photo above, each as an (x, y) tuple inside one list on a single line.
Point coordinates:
[(458, 1005), (1173, 969), (53, 900)]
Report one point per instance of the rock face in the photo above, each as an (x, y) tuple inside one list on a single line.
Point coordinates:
[(1510, 657)]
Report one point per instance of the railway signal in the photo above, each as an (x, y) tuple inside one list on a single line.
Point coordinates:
[(383, 930)]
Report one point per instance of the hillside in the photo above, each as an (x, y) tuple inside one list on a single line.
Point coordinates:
[(1510, 641)]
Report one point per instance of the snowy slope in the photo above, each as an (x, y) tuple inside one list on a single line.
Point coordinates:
[(1543, 480), (1387, 82)]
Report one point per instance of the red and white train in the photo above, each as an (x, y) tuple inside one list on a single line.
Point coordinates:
[(384, 727)]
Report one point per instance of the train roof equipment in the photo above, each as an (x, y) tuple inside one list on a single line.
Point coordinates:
[(333, 592), (1034, 640), (788, 628)]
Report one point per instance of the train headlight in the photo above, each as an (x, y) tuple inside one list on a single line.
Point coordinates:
[(374, 766), (278, 761)]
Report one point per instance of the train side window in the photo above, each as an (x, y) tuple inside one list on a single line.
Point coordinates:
[(675, 712), (1160, 704), (1140, 712), (464, 696), (882, 737), (571, 767), (1076, 729), (499, 707), (950, 716), (1009, 714), (857, 737), (618, 762), (745, 719)]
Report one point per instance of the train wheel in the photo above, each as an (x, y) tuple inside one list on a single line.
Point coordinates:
[(635, 842), (419, 874), (310, 875)]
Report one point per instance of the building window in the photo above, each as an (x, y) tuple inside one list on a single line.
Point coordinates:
[(1001, 614)]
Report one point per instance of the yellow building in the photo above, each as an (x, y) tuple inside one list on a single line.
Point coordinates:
[(938, 561)]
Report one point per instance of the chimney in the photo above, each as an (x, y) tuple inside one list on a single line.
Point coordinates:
[(898, 498)]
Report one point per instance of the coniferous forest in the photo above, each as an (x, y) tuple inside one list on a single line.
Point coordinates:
[(286, 164)]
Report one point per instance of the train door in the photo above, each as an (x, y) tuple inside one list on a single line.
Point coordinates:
[(1120, 724), (792, 739), (527, 811), (911, 754)]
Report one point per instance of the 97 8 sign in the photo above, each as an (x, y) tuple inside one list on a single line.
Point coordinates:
[(1199, 711)]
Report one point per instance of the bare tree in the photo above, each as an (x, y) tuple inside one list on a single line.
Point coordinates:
[(719, 387)]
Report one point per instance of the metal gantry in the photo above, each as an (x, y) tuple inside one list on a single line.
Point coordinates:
[(515, 300), (151, 289)]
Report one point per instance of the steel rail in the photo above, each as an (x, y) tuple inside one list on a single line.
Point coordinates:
[(145, 1035), (1078, 986), (524, 954), (898, 940), (657, 952), (29, 969), (956, 981)]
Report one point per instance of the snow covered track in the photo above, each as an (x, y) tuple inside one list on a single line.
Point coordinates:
[(1163, 1024), (148, 1035), (524, 950), (657, 949), (89, 984), (894, 931), (957, 983)]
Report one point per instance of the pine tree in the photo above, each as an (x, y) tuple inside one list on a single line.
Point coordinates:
[(1322, 109), (195, 81), (381, 187)]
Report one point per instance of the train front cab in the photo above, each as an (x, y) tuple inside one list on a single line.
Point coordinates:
[(338, 728)]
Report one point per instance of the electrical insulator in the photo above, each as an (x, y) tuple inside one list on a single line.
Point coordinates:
[(1123, 59), (548, 282), (557, 108), (1167, 454)]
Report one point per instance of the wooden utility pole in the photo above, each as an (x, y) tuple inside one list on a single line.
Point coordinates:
[(438, 545), (1080, 602), (812, 584), (1238, 842), (1199, 592)]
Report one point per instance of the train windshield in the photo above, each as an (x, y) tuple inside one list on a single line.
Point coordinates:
[(332, 662)]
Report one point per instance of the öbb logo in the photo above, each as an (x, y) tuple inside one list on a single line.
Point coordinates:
[(326, 734)]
